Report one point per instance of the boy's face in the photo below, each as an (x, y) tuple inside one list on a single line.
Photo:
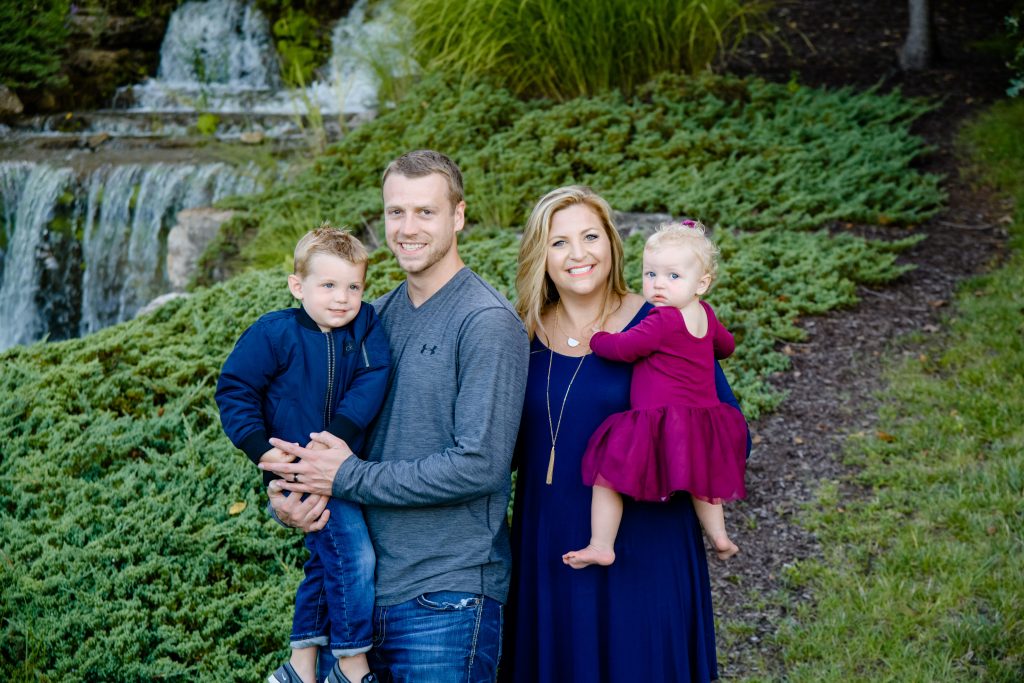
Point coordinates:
[(331, 292)]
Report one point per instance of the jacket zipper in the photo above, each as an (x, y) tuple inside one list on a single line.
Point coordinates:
[(330, 379)]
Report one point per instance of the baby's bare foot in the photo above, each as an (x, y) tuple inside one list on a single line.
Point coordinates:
[(578, 559)]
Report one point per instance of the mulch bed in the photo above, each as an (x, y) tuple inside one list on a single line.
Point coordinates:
[(835, 383)]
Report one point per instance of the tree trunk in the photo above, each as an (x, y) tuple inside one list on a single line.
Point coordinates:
[(916, 53)]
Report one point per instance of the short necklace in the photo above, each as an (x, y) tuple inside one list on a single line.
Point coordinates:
[(571, 341), (552, 427)]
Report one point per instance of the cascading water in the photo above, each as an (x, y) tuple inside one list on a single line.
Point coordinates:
[(125, 235), (28, 209), (212, 50), (124, 213), (83, 241), (218, 57), (225, 42)]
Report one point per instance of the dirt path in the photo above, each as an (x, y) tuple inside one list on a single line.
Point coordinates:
[(835, 377)]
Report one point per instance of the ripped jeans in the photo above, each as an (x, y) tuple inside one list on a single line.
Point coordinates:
[(442, 637)]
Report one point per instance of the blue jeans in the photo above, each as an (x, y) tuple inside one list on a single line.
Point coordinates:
[(442, 637), (334, 602)]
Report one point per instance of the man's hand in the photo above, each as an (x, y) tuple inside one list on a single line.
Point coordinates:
[(277, 455), (317, 467), (310, 514)]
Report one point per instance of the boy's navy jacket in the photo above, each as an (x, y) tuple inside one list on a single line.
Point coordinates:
[(286, 378)]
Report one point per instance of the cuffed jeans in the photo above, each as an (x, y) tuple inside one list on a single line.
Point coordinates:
[(334, 602), (442, 637)]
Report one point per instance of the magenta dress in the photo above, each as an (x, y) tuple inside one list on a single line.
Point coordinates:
[(677, 436)]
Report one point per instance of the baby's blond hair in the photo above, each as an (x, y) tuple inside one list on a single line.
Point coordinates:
[(690, 234), (331, 241)]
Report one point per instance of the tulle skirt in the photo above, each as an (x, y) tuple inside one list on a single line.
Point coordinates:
[(650, 453)]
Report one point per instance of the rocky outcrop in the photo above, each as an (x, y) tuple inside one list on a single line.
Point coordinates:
[(160, 301), (103, 53), (646, 223), (187, 241), (112, 32), (10, 105), (97, 73)]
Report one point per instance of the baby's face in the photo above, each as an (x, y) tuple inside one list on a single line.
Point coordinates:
[(673, 276)]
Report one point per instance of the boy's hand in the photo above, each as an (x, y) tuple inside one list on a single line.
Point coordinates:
[(277, 455), (313, 446)]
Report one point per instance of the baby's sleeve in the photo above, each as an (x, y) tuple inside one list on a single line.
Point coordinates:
[(723, 342), (638, 342)]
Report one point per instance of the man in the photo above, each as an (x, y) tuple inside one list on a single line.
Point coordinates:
[(435, 482)]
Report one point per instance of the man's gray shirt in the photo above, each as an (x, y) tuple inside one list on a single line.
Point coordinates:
[(435, 482)]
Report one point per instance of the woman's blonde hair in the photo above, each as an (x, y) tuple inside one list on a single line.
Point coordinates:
[(535, 290)]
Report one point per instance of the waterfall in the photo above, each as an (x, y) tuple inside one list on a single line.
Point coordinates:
[(224, 42), (130, 209), (361, 48), (213, 53), (218, 57), (30, 195), (123, 213)]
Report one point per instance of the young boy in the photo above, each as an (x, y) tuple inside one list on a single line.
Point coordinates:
[(321, 366)]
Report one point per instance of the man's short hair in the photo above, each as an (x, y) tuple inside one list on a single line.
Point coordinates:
[(331, 241), (421, 163)]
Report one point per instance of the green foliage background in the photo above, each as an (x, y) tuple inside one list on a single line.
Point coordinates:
[(120, 558), (32, 36), (738, 153), (562, 50)]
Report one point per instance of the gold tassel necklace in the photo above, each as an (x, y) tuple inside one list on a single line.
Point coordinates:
[(552, 427)]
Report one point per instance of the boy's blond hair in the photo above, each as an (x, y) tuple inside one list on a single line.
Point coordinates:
[(691, 234), (331, 241)]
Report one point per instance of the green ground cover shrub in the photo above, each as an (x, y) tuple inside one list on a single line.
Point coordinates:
[(120, 558), (922, 580), (740, 154), (564, 50)]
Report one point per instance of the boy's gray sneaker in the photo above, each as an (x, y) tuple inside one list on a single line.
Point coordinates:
[(285, 674), (337, 677)]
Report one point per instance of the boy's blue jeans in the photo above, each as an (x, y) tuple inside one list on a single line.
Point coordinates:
[(334, 602)]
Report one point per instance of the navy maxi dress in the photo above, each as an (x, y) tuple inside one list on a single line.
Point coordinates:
[(648, 617)]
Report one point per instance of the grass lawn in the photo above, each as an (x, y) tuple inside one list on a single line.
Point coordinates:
[(923, 578)]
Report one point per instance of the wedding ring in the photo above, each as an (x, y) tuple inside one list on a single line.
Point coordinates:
[(295, 478)]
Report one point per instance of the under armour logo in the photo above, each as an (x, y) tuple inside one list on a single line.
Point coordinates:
[(426, 348)]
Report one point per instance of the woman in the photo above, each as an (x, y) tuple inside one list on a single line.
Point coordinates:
[(647, 617)]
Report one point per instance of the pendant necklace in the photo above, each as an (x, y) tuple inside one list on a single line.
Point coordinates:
[(571, 341), (554, 428)]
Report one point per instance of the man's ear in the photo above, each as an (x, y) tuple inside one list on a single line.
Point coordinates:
[(460, 216), (295, 286)]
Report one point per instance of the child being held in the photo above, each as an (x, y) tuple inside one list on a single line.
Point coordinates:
[(321, 366), (677, 436)]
